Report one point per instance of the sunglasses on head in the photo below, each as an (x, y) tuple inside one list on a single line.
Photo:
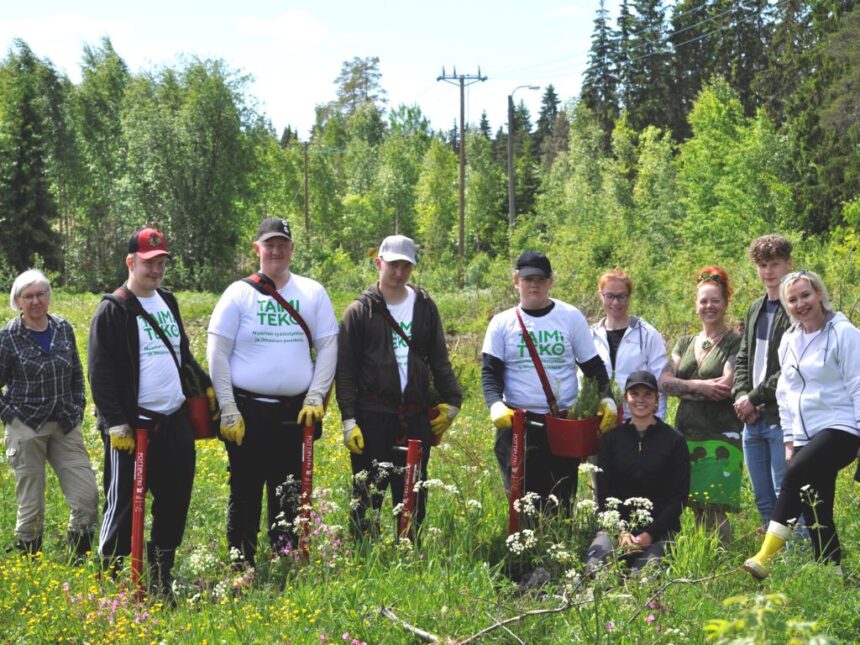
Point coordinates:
[(709, 277)]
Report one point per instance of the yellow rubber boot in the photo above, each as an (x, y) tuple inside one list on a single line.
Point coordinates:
[(774, 540)]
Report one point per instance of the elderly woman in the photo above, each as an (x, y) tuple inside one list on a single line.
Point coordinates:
[(700, 371), (626, 343), (647, 459), (42, 405), (819, 407)]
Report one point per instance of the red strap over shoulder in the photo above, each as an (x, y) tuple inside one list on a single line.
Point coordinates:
[(544, 381), (263, 283)]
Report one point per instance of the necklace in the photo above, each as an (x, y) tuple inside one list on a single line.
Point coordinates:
[(710, 341)]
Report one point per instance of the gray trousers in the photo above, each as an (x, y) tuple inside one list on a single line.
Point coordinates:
[(27, 451)]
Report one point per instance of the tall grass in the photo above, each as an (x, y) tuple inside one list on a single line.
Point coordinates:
[(460, 579)]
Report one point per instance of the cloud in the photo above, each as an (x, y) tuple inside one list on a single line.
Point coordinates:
[(296, 31)]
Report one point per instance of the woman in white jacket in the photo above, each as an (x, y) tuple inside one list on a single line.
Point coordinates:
[(819, 407), (625, 343)]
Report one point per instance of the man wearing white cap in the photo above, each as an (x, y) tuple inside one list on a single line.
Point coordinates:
[(391, 344)]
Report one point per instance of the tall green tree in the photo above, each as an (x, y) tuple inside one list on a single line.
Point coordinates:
[(436, 202), (359, 82), (600, 83), (28, 207), (649, 92)]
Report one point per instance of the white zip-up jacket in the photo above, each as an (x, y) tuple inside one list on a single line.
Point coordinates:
[(641, 348), (819, 387)]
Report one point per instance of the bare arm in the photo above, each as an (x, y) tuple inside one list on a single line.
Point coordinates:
[(671, 385)]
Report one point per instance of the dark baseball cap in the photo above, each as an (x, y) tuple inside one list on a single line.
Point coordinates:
[(273, 227), (533, 263), (641, 377), (148, 243)]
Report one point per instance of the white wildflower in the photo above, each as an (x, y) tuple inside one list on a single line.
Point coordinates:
[(473, 504)]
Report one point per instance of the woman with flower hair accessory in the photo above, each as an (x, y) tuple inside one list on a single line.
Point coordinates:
[(700, 371), (644, 464), (819, 407)]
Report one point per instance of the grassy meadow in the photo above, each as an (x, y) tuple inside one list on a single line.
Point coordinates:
[(460, 585)]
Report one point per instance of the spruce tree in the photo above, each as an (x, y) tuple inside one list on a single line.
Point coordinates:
[(600, 85)]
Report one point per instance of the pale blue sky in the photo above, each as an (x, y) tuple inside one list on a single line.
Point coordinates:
[(294, 49)]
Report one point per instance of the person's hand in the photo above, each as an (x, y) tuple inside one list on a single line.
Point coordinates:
[(789, 451), (502, 415), (627, 543), (608, 413), (714, 389), (443, 420), (312, 410), (745, 410), (232, 424), (353, 439), (644, 540), (122, 438)]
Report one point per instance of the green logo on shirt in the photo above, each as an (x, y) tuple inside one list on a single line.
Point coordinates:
[(398, 340), (165, 321), (547, 343), (272, 314)]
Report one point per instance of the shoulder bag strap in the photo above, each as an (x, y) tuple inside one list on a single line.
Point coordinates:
[(125, 295), (386, 314), (544, 381), (263, 283)]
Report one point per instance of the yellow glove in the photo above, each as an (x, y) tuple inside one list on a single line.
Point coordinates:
[(312, 410), (502, 415), (352, 437), (232, 424), (442, 421), (213, 403), (608, 413), (122, 438)]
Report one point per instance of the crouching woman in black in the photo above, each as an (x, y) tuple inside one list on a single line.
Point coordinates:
[(643, 458)]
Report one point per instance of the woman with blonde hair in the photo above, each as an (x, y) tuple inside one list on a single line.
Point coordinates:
[(819, 408), (700, 371)]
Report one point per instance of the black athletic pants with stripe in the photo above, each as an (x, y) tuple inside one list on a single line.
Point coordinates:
[(171, 461)]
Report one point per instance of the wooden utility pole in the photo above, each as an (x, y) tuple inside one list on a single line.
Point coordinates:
[(460, 79)]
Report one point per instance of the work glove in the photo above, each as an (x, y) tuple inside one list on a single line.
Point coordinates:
[(443, 419), (352, 437), (608, 413), (232, 424), (122, 438), (502, 415), (213, 403), (312, 410)]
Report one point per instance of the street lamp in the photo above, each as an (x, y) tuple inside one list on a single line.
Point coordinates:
[(512, 207)]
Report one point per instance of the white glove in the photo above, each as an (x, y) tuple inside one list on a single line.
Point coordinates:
[(122, 438)]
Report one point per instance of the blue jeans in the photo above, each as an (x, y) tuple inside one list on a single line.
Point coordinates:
[(764, 454)]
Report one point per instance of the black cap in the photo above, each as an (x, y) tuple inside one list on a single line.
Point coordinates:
[(533, 263), (641, 377), (273, 227)]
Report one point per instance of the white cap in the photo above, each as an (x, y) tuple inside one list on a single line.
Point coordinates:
[(397, 247)]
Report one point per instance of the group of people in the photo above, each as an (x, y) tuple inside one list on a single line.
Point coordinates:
[(787, 389)]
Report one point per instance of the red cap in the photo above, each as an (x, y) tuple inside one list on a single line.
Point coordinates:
[(148, 243)]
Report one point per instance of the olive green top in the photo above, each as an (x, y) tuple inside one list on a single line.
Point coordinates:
[(702, 418)]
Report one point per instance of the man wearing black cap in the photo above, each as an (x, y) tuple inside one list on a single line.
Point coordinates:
[(269, 386), (510, 378), (391, 349), (135, 382)]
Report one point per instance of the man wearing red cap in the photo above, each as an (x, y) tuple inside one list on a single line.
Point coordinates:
[(135, 382)]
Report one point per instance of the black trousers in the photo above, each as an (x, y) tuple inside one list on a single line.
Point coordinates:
[(171, 461), (816, 464), (384, 462), (270, 452), (545, 474)]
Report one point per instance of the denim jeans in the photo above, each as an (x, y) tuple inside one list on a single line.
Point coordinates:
[(764, 454)]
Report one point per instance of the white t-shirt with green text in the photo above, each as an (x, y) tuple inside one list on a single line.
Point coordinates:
[(160, 389), (562, 339), (402, 314), (270, 349)]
